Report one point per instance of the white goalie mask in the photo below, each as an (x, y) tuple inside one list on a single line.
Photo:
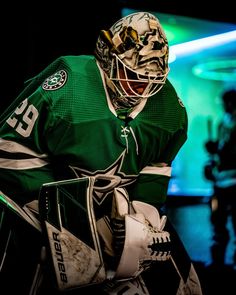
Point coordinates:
[(133, 54)]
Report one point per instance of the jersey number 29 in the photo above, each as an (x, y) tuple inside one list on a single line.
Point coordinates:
[(24, 118)]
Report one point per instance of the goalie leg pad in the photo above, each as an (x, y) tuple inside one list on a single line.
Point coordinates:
[(71, 233)]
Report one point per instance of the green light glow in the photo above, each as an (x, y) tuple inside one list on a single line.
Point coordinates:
[(175, 34), (3, 200)]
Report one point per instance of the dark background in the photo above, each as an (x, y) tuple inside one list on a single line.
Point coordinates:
[(33, 35), (203, 9)]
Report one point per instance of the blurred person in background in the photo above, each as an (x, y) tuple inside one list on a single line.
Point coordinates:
[(222, 172)]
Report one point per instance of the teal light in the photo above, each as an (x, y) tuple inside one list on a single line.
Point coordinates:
[(219, 70)]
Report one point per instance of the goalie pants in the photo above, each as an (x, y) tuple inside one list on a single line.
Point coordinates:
[(175, 276)]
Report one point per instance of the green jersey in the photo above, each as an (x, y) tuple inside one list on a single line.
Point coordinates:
[(63, 125)]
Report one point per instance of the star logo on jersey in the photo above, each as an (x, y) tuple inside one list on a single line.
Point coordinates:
[(106, 180), (55, 81)]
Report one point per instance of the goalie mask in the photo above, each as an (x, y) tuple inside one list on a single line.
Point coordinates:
[(133, 54)]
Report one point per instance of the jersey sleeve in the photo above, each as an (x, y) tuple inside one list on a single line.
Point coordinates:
[(25, 125), (24, 163)]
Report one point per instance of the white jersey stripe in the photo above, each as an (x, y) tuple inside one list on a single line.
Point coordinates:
[(14, 147), (22, 164), (156, 170)]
